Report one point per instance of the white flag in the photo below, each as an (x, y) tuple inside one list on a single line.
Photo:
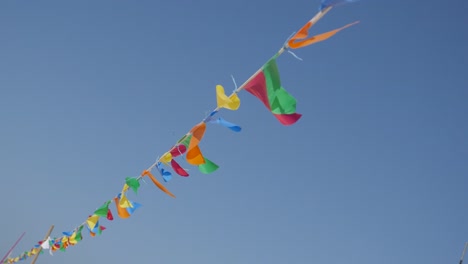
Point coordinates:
[(45, 244)]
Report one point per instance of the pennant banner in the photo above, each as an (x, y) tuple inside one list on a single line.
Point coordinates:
[(265, 84)]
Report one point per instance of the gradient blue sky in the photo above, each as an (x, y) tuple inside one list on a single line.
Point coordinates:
[(376, 170)]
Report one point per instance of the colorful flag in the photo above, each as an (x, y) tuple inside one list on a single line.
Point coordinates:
[(266, 86)]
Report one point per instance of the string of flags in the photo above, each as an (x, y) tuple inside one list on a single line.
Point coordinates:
[(265, 84)]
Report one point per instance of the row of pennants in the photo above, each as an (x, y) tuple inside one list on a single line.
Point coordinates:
[(265, 84)]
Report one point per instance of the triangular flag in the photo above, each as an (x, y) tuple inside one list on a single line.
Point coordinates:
[(194, 155), (167, 175), (45, 244), (133, 183), (79, 236), (132, 209), (72, 239), (124, 202), (102, 211), (208, 167), (92, 221), (110, 217), (178, 169), (101, 228), (122, 212)]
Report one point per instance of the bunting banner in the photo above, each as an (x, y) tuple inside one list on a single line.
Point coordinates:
[(265, 84)]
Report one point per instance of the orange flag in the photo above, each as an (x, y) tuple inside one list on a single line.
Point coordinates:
[(300, 40), (122, 212), (157, 183), (194, 155)]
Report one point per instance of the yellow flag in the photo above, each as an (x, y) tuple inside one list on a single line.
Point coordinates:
[(125, 188), (92, 221), (124, 202), (166, 158), (123, 199), (121, 211), (72, 239), (232, 102)]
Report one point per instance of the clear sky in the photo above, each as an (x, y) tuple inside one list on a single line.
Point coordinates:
[(92, 92)]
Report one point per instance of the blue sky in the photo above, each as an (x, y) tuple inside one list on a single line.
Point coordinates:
[(92, 92)]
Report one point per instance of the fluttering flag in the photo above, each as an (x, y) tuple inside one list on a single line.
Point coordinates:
[(68, 234), (178, 150), (133, 183), (224, 123), (45, 244), (132, 209), (166, 158), (332, 3), (72, 239), (124, 202), (266, 86), (194, 155), (208, 167), (101, 228), (76, 236), (95, 229), (232, 102), (178, 169), (110, 217), (103, 210), (92, 221), (167, 175), (300, 40), (122, 212), (157, 183), (63, 244)]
